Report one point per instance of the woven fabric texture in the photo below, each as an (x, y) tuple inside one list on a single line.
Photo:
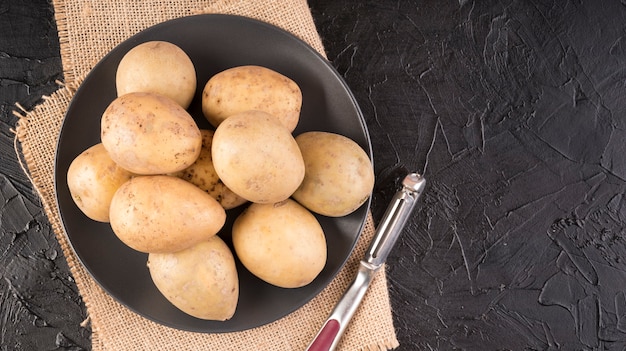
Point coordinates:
[(88, 29)]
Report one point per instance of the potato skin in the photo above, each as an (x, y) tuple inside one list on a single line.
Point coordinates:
[(92, 178), (257, 157), (339, 176), (202, 174), (157, 67), (164, 214), (201, 281), (281, 243), (148, 133), (251, 87)]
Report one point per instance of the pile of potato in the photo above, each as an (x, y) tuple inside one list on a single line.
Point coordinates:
[(165, 185)]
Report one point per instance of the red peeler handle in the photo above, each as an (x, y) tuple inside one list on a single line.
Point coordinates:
[(326, 336)]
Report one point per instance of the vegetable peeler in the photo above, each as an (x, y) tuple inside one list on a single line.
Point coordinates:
[(386, 235)]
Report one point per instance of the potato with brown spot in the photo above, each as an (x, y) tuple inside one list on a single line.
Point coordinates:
[(92, 178), (244, 88), (201, 281), (164, 214), (148, 133), (202, 174), (157, 67), (339, 176), (257, 157), (282, 243)]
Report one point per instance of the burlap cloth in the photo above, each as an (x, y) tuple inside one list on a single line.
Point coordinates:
[(88, 29)]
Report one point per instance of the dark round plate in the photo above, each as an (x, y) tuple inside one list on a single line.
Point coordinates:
[(214, 43)]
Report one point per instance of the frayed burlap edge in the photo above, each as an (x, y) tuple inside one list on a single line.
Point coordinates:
[(25, 157)]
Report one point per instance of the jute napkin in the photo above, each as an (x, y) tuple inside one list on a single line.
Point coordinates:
[(88, 29)]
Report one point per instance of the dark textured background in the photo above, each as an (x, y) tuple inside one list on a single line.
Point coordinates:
[(517, 109)]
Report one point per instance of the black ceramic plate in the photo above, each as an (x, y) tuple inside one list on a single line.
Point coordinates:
[(214, 43)]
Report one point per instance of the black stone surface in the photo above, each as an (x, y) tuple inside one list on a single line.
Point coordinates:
[(40, 308), (515, 109)]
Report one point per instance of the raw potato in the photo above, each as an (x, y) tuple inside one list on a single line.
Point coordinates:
[(92, 179), (244, 88), (257, 157), (148, 133), (202, 174), (164, 214), (282, 243), (201, 281), (339, 176), (157, 67)]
